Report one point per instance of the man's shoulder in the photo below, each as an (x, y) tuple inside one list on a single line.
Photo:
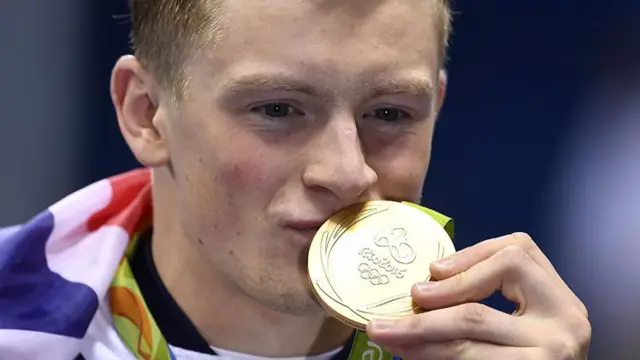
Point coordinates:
[(56, 269)]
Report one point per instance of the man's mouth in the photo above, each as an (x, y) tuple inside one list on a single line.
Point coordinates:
[(306, 229)]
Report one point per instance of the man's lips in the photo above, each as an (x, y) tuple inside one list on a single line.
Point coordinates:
[(305, 225), (305, 228)]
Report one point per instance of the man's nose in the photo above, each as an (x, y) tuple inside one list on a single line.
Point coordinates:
[(338, 163)]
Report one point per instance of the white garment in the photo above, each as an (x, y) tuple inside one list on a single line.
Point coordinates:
[(182, 354)]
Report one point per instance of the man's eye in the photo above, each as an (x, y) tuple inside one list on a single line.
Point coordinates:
[(276, 110), (391, 114)]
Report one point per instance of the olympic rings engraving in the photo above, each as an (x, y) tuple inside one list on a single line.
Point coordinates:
[(372, 275)]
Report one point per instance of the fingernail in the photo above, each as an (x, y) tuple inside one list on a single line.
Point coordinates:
[(382, 324), (445, 262), (426, 286)]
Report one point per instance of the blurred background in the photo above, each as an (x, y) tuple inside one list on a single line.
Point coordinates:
[(540, 132)]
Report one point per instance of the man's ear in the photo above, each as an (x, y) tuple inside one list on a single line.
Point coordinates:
[(135, 96), (442, 89)]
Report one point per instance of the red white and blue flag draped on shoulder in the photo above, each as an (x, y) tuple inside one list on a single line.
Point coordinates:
[(56, 271)]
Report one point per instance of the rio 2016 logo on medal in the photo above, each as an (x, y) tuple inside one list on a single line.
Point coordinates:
[(364, 260)]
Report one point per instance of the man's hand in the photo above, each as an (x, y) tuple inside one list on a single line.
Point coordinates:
[(551, 323)]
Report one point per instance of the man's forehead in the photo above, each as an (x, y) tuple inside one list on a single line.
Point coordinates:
[(327, 13), (393, 50), (354, 7), (306, 24)]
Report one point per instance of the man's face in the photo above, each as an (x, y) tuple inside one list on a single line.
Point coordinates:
[(302, 108)]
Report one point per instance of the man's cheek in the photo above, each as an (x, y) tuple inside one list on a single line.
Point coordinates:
[(402, 180), (243, 173), (229, 191)]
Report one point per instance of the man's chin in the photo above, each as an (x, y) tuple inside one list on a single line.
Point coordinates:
[(302, 304)]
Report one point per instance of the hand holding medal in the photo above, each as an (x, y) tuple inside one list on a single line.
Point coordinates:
[(391, 270)]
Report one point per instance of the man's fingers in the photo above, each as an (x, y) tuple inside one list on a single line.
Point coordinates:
[(511, 271), (468, 350), (466, 258), (469, 321)]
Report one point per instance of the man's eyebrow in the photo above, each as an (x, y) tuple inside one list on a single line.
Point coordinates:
[(375, 87), (270, 82), (389, 86)]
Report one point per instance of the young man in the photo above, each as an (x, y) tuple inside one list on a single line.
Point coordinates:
[(257, 120)]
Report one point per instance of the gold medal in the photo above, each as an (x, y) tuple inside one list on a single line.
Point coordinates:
[(364, 260)]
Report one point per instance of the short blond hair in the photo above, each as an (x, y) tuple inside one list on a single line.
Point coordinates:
[(165, 33)]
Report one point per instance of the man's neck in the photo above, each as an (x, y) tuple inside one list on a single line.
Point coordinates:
[(229, 319)]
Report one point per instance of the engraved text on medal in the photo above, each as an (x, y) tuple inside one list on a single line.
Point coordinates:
[(396, 251)]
